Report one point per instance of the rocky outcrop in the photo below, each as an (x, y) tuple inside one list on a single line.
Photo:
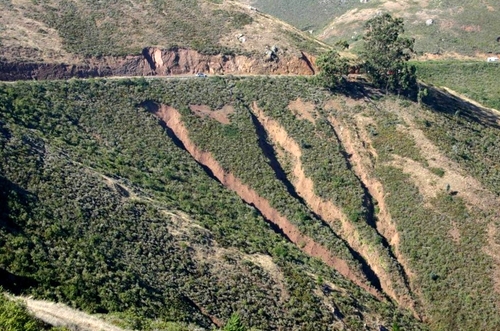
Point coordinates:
[(159, 62)]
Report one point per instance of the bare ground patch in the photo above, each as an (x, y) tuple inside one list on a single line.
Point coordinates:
[(303, 110), (220, 115), (454, 232), (58, 314), (362, 160), (429, 184)]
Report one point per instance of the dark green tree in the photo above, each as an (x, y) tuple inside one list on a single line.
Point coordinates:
[(332, 68), (234, 324), (386, 54)]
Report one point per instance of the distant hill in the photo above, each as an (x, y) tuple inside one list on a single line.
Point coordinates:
[(464, 27)]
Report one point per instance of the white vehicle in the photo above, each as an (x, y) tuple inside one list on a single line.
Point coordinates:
[(201, 74), (492, 59)]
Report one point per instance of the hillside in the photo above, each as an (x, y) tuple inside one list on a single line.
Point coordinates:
[(62, 39), (456, 27), (184, 201)]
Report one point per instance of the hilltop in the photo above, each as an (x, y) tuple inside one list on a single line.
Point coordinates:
[(451, 28), (61, 39)]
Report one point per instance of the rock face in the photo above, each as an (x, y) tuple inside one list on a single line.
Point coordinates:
[(159, 62)]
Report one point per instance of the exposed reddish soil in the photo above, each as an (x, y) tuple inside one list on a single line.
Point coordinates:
[(172, 119), (158, 62), (303, 110), (220, 115), (362, 157), (326, 209)]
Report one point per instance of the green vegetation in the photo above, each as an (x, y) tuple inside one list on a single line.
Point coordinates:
[(464, 27), (99, 28), (72, 31), (444, 237), (386, 54), (331, 68), (155, 242), (148, 235), (15, 317), (311, 16), (476, 80), (474, 146)]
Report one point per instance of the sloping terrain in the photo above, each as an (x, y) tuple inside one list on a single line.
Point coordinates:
[(294, 207), (471, 79), (452, 28), (133, 38)]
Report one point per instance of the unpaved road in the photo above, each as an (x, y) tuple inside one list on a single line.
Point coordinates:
[(58, 314)]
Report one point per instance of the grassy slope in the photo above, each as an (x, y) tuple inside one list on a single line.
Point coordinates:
[(465, 27), (476, 80), (127, 253)]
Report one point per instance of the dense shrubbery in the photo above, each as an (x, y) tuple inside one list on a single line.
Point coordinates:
[(87, 175), (452, 273)]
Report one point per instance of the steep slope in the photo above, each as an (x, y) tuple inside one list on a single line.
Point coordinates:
[(440, 27), (85, 39), (187, 200), (150, 234)]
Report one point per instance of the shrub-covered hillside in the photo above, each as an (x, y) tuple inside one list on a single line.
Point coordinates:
[(186, 201)]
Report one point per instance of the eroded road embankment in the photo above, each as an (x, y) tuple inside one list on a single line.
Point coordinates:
[(331, 213), (361, 153), (172, 119)]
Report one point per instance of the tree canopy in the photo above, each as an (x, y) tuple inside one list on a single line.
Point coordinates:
[(331, 67), (386, 53)]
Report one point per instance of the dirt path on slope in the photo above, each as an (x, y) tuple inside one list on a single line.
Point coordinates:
[(361, 151), (326, 209), (172, 119), (58, 314)]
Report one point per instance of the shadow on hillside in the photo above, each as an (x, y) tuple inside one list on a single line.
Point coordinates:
[(444, 102), (358, 90)]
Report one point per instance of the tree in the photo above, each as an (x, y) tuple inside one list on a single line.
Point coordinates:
[(386, 54), (332, 67)]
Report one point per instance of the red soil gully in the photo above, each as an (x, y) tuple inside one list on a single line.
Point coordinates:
[(172, 119)]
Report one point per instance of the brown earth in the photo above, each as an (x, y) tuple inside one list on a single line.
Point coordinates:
[(327, 210), (362, 159), (158, 62), (58, 314), (172, 119), (220, 115), (303, 110), (429, 184)]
